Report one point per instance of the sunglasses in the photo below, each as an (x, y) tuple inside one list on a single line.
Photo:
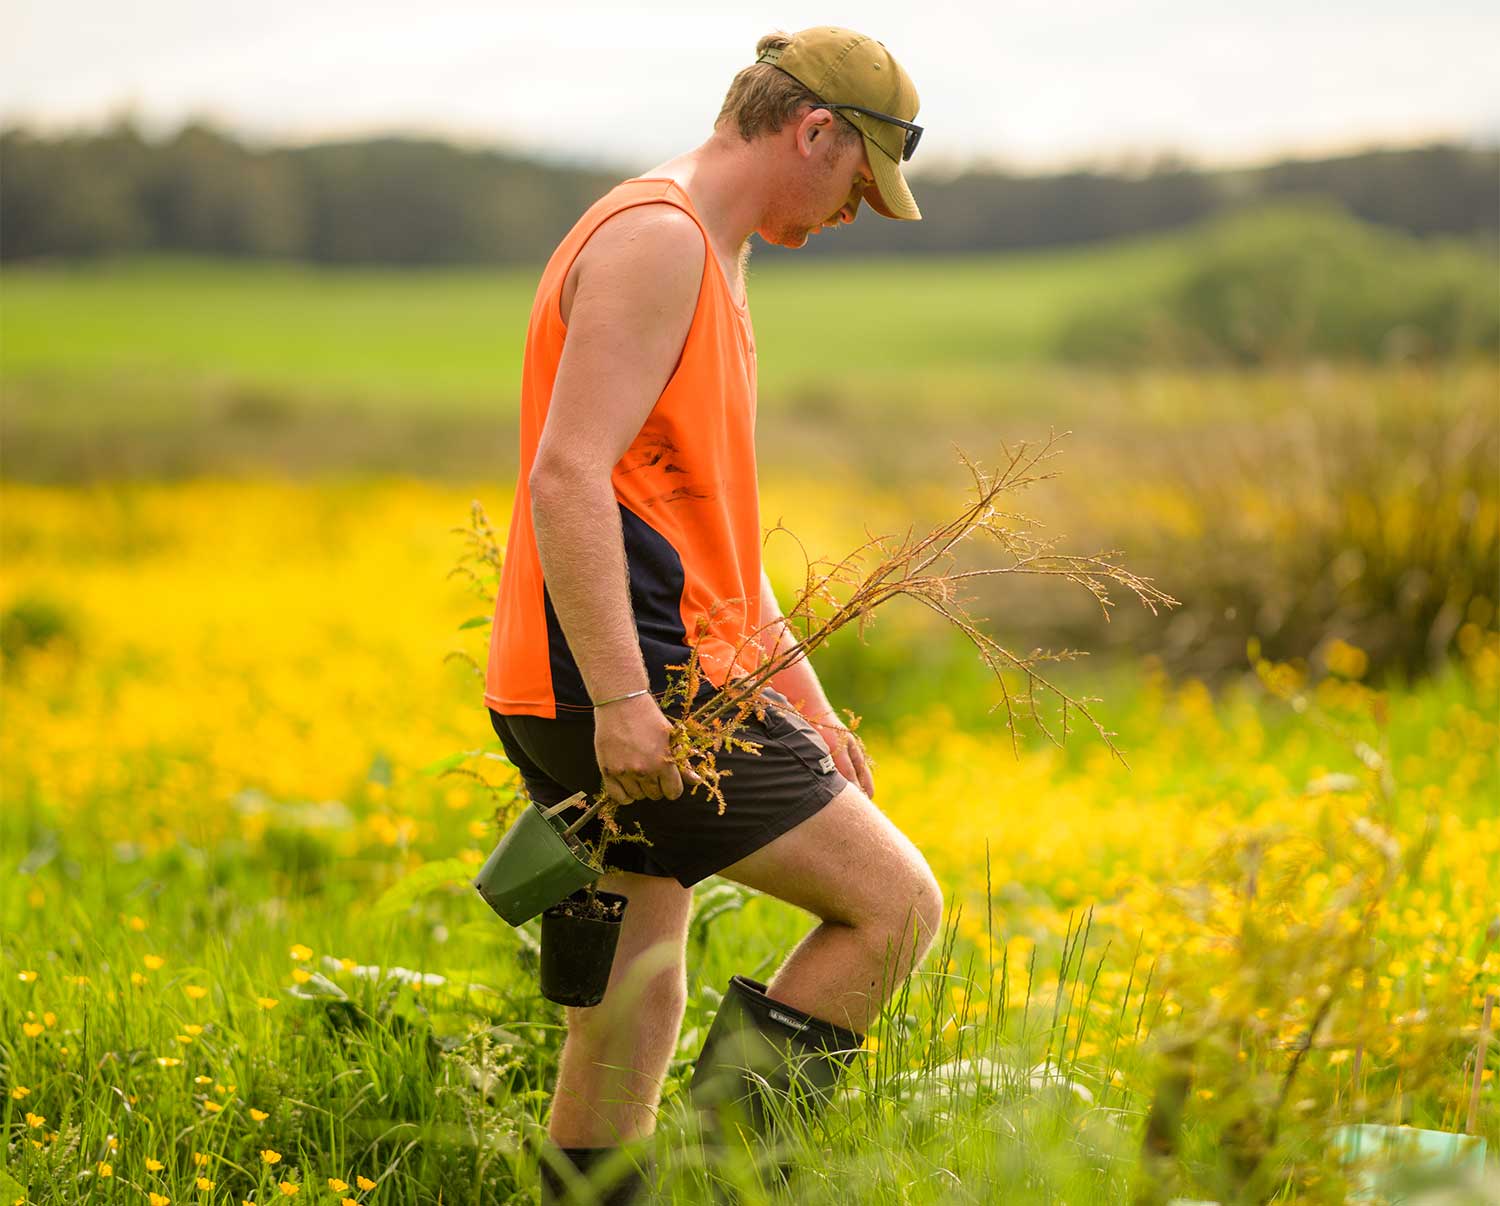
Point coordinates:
[(913, 132)]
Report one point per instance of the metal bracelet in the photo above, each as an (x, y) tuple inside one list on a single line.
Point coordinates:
[(627, 695)]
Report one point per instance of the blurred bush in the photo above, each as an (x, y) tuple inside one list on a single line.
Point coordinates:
[(1299, 280), (1371, 516), (35, 620), (1292, 509)]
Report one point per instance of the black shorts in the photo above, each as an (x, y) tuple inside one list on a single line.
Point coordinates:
[(768, 793)]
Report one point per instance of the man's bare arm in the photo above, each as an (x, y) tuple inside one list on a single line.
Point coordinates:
[(638, 282)]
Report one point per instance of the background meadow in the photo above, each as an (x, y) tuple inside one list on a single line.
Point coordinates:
[(247, 774)]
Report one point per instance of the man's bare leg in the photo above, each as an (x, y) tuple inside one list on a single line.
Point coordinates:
[(879, 903), (615, 1056)]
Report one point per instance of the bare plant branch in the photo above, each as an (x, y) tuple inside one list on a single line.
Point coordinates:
[(838, 593)]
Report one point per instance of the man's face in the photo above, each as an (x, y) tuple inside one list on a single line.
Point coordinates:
[(824, 183)]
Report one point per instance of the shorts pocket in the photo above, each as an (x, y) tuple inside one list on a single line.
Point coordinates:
[(797, 734)]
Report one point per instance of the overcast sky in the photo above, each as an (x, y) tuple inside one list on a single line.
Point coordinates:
[(1035, 83)]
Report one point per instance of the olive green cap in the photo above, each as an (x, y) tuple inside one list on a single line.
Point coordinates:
[(840, 66)]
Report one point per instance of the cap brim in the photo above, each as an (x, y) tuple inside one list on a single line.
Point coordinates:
[(890, 197)]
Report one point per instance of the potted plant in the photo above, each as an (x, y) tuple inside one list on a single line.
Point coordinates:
[(539, 861), (579, 936)]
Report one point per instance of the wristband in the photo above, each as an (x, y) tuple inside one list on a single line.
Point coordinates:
[(627, 695)]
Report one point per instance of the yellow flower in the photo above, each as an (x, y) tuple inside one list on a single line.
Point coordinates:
[(289, 1189), (348, 1202), (196, 991), (19, 1092), (200, 1159), (364, 1182), (193, 1028), (168, 1061), (159, 1199), (1345, 660), (153, 962), (213, 1107), (267, 1002), (104, 1170), (336, 1185), (35, 1119), (137, 979), (269, 1156), (154, 1165), (137, 924), (204, 1183), (184, 1039), (32, 1029), (302, 977), (202, 1080), (26, 977), (258, 1115), (50, 1018), (301, 953)]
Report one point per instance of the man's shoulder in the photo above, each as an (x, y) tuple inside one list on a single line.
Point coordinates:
[(658, 226), (648, 255)]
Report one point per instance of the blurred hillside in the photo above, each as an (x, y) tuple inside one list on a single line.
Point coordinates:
[(413, 201)]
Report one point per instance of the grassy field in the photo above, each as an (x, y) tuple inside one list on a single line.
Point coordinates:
[(149, 339), (218, 713), (244, 962)]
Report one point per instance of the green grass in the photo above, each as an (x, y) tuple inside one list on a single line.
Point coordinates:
[(148, 339), (440, 1094)]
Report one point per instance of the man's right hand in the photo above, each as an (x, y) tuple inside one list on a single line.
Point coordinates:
[(632, 745)]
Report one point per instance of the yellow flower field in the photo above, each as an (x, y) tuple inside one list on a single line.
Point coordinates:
[(218, 701)]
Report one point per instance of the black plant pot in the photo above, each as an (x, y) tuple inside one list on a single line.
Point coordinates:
[(577, 952)]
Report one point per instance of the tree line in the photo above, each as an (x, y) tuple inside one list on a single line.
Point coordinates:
[(424, 201)]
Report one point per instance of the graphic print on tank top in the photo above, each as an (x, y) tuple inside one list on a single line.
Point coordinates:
[(685, 488)]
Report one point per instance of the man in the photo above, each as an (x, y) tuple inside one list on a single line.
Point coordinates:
[(636, 534)]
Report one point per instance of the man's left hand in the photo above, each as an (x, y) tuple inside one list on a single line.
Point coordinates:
[(848, 753)]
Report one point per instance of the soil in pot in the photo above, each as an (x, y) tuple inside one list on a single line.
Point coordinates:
[(579, 936)]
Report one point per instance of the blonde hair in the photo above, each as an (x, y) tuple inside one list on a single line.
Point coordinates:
[(762, 98)]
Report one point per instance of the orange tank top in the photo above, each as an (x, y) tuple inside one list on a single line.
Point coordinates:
[(686, 491)]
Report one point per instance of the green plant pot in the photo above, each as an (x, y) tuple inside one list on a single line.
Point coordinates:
[(533, 867)]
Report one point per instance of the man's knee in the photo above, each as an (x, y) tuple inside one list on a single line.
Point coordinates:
[(911, 912), (926, 904)]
